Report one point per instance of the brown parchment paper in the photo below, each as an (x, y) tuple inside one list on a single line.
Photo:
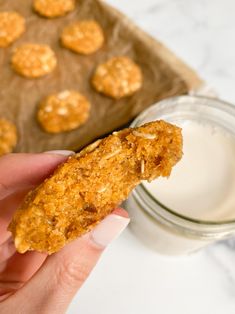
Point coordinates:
[(164, 75)]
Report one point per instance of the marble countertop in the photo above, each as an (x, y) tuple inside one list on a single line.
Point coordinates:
[(130, 278)]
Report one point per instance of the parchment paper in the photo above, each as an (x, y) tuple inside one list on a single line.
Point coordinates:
[(164, 76)]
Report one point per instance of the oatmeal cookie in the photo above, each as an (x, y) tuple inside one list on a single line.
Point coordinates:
[(8, 136), (33, 60), (54, 8), (12, 26), (87, 187), (62, 112), (118, 77), (83, 37)]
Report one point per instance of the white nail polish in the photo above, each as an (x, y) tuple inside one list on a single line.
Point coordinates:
[(109, 229), (61, 152)]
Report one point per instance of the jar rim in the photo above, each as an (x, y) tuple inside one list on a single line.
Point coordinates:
[(170, 214)]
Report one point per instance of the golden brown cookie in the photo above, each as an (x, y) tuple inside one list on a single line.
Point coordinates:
[(53, 8), (8, 136), (83, 37), (62, 112), (33, 60), (118, 77), (12, 26), (92, 183)]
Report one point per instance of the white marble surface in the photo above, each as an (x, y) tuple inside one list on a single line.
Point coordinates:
[(131, 279)]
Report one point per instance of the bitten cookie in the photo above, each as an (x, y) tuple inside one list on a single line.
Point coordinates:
[(118, 77), (12, 26), (62, 112), (33, 60), (8, 136), (53, 8), (86, 188), (83, 37)]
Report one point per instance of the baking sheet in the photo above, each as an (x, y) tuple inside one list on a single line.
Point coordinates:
[(164, 75)]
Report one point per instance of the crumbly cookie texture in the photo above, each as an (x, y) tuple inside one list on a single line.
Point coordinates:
[(33, 60), (118, 77), (63, 112), (8, 136), (86, 188), (54, 8), (12, 26), (84, 37)]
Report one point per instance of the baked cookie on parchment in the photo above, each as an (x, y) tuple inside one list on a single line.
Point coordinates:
[(8, 136), (118, 77), (63, 112), (12, 26), (84, 37), (53, 8), (33, 60)]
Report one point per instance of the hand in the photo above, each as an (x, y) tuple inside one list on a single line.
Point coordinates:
[(34, 282)]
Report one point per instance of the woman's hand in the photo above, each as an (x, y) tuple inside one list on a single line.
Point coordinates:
[(34, 282)]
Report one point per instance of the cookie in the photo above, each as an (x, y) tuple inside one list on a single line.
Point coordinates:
[(118, 77), (53, 8), (33, 60), (8, 136), (84, 37), (12, 26), (62, 112), (86, 188)]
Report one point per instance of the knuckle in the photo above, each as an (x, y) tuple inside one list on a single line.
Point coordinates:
[(4, 190), (71, 273)]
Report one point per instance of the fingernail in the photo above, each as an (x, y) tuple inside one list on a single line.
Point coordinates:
[(61, 152), (109, 229)]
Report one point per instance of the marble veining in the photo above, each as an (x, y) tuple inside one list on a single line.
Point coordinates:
[(223, 256), (201, 32), (131, 279)]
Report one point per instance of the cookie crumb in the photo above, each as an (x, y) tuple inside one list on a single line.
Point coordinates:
[(142, 166), (145, 135), (112, 154), (101, 190), (84, 37), (118, 77)]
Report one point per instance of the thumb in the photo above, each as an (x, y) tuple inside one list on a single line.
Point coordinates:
[(54, 285)]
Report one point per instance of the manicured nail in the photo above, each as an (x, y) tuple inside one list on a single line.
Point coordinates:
[(109, 229), (61, 152)]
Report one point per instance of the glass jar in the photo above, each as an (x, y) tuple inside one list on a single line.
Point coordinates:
[(165, 229)]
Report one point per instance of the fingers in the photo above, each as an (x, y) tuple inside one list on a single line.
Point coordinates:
[(7, 249), (53, 287), (21, 171), (21, 267), (16, 271), (7, 208)]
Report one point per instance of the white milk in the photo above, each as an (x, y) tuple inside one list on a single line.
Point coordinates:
[(202, 184)]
